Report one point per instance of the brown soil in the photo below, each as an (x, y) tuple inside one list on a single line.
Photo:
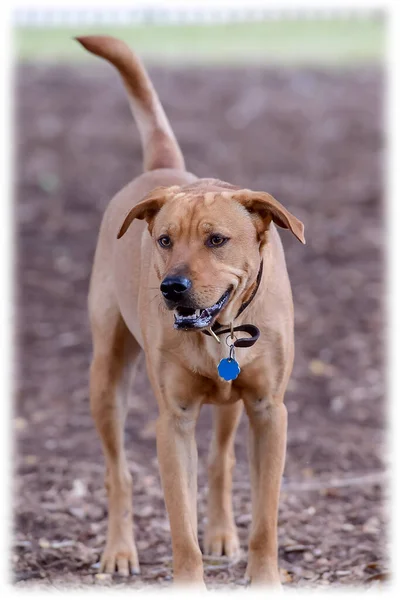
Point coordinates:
[(314, 140)]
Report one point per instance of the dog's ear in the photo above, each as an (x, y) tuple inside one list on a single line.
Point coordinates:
[(147, 208), (266, 209)]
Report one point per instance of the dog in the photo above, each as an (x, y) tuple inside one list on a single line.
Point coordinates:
[(183, 268)]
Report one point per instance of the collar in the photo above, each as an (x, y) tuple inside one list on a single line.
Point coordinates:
[(252, 330)]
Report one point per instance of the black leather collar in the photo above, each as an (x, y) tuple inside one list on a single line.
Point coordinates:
[(252, 330)]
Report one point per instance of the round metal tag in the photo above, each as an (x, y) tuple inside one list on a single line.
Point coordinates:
[(228, 369)]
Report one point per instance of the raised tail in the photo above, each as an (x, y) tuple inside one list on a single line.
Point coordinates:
[(160, 148)]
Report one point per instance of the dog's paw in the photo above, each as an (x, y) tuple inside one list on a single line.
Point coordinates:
[(262, 575), (264, 581), (219, 542), (121, 559)]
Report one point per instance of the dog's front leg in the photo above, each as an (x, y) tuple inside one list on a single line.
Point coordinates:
[(267, 447), (177, 457)]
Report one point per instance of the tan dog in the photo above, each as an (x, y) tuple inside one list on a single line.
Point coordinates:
[(176, 253)]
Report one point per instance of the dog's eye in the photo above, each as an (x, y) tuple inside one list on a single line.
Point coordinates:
[(165, 241), (216, 240)]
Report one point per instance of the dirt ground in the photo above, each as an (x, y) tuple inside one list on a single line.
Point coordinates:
[(314, 140)]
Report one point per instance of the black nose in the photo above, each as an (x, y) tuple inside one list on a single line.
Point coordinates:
[(174, 288)]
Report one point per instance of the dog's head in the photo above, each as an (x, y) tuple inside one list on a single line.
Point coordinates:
[(208, 238)]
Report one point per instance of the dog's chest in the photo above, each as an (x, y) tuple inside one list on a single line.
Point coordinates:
[(214, 389), (204, 358)]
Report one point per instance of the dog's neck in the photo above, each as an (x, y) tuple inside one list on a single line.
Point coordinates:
[(252, 330), (253, 291)]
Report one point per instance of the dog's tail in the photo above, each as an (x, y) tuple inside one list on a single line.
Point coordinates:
[(160, 148)]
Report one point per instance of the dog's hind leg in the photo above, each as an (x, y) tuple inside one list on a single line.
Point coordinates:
[(115, 357), (267, 447), (221, 535)]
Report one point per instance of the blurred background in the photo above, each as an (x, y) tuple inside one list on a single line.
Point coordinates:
[(289, 102)]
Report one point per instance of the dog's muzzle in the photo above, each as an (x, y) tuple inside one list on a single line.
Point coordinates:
[(176, 291)]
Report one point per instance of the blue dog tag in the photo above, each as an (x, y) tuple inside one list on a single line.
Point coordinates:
[(228, 369)]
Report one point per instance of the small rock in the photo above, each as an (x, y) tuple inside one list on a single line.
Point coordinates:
[(308, 556), (23, 544), (372, 525), (48, 182), (79, 488), (62, 544), (244, 519), (295, 548), (142, 545), (145, 512), (308, 472), (337, 404), (20, 423), (51, 444), (149, 430), (319, 368), (77, 511), (149, 481), (103, 577), (163, 524), (68, 339), (286, 577)]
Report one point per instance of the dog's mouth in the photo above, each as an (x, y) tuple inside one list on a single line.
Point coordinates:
[(199, 318)]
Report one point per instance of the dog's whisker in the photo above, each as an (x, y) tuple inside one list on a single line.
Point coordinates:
[(157, 297)]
